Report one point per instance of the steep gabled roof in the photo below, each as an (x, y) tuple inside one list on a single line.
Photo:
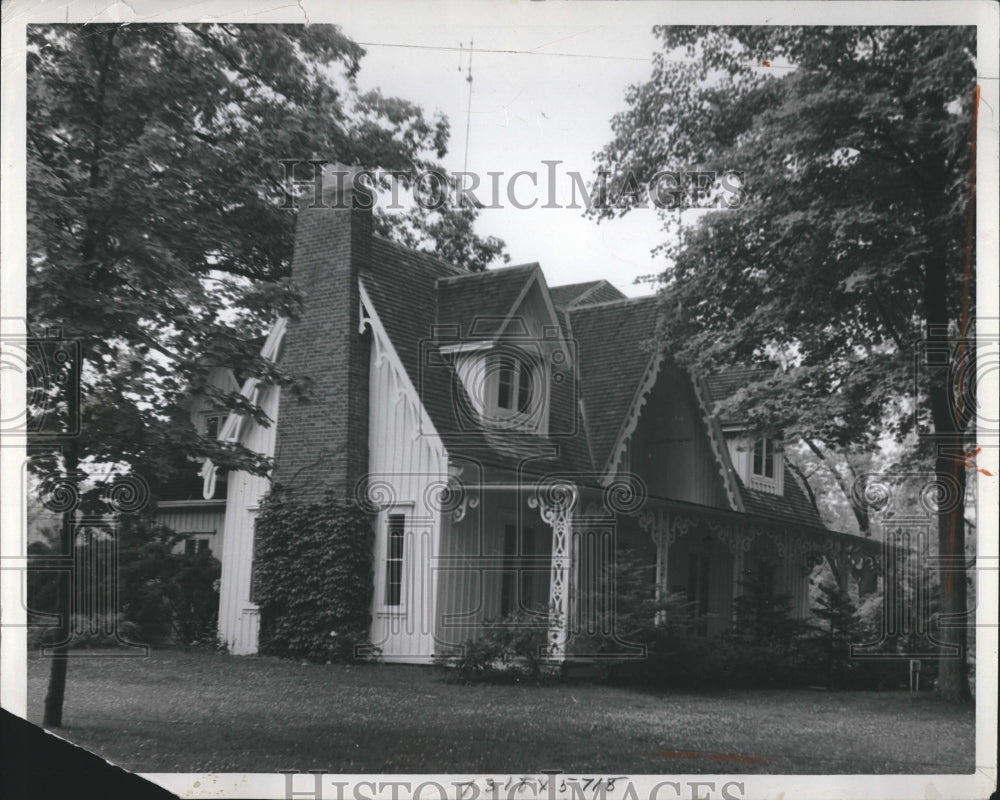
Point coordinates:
[(792, 506), (724, 384), (613, 342), (415, 297), (588, 293), (478, 303)]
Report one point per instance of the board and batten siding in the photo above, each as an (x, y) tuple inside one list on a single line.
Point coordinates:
[(408, 468), (670, 449), (195, 516), (238, 617)]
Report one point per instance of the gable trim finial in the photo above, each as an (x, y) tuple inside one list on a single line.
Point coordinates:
[(405, 390), (624, 436), (717, 440)]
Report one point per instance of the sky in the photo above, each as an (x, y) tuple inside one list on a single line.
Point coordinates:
[(549, 97)]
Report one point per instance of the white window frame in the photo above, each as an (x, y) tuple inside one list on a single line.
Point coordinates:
[(533, 420), (770, 446), (382, 606)]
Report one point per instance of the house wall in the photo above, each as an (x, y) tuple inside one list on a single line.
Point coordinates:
[(195, 516), (694, 547), (408, 467), (474, 559), (670, 450), (238, 617)]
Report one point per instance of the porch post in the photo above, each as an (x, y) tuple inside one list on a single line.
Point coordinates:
[(555, 502)]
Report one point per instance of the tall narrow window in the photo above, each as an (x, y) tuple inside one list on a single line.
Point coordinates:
[(763, 458), (505, 383), (523, 387), (697, 590), (394, 560), (515, 384)]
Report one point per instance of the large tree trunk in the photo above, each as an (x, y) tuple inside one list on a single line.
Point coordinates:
[(949, 419), (56, 692)]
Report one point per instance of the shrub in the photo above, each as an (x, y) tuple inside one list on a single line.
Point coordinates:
[(162, 596), (313, 577), (512, 647), (639, 617)]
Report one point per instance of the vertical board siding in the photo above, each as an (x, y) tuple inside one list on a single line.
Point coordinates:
[(670, 449), (407, 469), (196, 519), (238, 617)]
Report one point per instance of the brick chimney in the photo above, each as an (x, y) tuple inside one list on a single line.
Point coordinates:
[(322, 438)]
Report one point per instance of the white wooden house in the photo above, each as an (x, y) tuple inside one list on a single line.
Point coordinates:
[(509, 435)]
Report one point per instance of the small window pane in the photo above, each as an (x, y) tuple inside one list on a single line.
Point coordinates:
[(394, 560), (758, 457), (523, 388)]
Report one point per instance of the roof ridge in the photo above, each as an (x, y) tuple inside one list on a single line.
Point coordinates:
[(485, 272), (622, 301), (460, 272)]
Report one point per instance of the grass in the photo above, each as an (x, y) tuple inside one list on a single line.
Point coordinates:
[(177, 711)]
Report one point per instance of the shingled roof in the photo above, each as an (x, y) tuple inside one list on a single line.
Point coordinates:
[(588, 293), (478, 303), (792, 506), (415, 295), (614, 350), (724, 384)]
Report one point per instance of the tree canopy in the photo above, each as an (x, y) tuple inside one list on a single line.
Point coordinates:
[(157, 237), (159, 243), (844, 261)]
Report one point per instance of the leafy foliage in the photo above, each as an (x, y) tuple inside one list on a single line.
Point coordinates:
[(313, 577), (512, 647), (163, 596), (854, 145), (156, 233)]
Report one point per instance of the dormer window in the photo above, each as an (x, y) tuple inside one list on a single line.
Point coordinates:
[(763, 458), (514, 384)]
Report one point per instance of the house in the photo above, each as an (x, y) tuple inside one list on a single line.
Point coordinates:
[(182, 505), (509, 436)]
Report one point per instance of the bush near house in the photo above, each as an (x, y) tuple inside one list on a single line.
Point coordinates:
[(163, 597), (323, 612), (766, 647)]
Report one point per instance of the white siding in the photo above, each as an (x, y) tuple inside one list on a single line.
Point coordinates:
[(195, 516), (238, 617), (408, 460)]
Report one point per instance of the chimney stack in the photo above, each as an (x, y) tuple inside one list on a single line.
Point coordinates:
[(322, 438)]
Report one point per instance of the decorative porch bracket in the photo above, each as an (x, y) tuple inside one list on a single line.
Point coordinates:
[(555, 502)]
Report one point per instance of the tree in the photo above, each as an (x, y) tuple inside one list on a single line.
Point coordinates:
[(848, 254), (156, 237)]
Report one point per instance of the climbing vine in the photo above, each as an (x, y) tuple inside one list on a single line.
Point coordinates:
[(313, 577)]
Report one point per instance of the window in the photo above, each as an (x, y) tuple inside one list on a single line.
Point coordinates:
[(213, 424), (514, 383), (396, 530), (196, 543), (517, 586), (763, 458), (697, 589)]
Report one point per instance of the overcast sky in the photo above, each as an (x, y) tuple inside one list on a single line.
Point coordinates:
[(552, 98)]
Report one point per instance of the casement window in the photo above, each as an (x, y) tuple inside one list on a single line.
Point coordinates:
[(394, 553), (197, 543), (213, 424), (514, 383), (252, 593), (764, 458)]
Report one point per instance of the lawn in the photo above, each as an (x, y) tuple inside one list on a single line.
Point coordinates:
[(177, 711)]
